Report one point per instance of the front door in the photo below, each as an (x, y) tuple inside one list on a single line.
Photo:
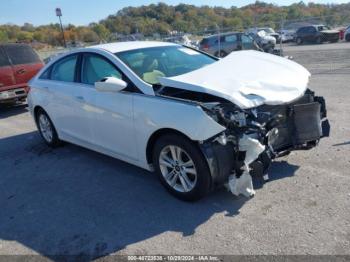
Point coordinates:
[(111, 113)]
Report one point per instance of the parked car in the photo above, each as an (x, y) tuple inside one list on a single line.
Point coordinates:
[(18, 64), (287, 35), (265, 41), (181, 39), (316, 34), (268, 30), (227, 43), (347, 34), (197, 120)]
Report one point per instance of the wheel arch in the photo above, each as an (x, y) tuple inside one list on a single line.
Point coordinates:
[(156, 135), (36, 110)]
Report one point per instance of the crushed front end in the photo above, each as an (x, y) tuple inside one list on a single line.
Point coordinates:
[(254, 137)]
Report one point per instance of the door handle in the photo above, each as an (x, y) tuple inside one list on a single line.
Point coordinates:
[(80, 98), (1, 84), (21, 71)]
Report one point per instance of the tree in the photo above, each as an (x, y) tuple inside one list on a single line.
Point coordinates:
[(3, 36), (101, 31), (24, 36)]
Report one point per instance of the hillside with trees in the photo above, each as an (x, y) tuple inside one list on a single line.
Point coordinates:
[(162, 19)]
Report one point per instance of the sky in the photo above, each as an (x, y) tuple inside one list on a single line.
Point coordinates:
[(83, 12)]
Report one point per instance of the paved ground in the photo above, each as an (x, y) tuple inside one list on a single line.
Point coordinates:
[(74, 201)]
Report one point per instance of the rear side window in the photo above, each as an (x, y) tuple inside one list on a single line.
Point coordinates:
[(3, 59), (204, 41), (95, 68), (64, 69), (302, 30), (231, 38), (21, 54), (312, 29)]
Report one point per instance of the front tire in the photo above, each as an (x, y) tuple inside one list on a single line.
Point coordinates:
[(181, 167), (47, 129)]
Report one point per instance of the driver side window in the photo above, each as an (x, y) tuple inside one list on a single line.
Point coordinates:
[(247, 42), (95, 68)]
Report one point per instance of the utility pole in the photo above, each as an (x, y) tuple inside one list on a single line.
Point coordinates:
[(281, 28), (59, 14), (219, 40)]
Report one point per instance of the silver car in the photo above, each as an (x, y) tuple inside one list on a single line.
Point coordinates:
[(221, 45)]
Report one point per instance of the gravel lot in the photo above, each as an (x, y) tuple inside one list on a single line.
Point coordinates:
[(74, 201)]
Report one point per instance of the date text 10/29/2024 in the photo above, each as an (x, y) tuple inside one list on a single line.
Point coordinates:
[(173, 258)]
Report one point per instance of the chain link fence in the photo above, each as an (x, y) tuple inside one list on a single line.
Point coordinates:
[(321, 39)]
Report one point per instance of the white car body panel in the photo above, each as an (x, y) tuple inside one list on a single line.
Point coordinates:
[(123, 130), (247, 78), (120, 124), (156, 113), (93, 119)]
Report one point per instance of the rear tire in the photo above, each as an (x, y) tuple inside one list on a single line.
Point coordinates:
[(221, 54), (318, 40), (299, 41), (46, 129), (181, 167)]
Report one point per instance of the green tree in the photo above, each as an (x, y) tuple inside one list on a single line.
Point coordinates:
[(101, 31), (24, 36), (3, 36)]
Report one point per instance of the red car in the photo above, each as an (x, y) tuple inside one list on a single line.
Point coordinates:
[(18, 64)]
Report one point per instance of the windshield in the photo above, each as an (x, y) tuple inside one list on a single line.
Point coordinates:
[(322, 27), (152, 63)]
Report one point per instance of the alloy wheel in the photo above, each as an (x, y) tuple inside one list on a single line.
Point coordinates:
[(45, 128), (177, 168)]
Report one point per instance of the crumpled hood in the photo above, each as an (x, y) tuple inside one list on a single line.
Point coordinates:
[(247, 79)]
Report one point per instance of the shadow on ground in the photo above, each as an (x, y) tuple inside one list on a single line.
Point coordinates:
[(11, 110), (72, 201)]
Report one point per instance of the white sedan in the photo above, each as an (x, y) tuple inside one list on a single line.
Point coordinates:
[(198, 121)]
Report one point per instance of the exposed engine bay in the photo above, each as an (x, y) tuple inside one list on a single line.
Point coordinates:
[(254, 137)]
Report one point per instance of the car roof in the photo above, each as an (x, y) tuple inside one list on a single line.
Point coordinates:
[(223, 34), (131, 45)]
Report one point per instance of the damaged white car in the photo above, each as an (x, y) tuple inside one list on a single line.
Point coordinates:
[(199, 122)]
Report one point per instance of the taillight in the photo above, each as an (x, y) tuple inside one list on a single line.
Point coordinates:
[(205, 47)]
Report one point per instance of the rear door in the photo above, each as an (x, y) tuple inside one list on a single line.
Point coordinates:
[(230, 43), (311, 34), (65, 100), (25, 62), (302, 33), (7, 78)]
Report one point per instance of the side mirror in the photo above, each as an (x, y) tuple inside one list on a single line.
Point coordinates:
[(110, 84)]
